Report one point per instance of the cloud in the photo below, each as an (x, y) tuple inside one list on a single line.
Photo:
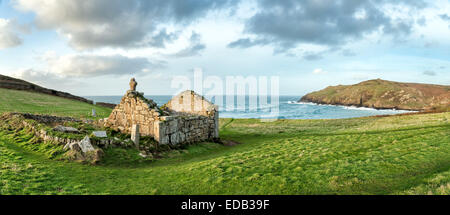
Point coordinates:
[(311, 56), (445, 17), (43, 78), (348, 53), (421, 21), (319, 71), (118, 23), (246, 43), (67, 71), (429, 73), (8, 34), (194, 48), (160, 39), (92, 65), (287, 24)]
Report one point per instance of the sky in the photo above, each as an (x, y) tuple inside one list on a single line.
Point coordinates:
[(94, 47)]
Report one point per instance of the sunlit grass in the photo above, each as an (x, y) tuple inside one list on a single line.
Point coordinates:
[(389, 155), (28, 102)]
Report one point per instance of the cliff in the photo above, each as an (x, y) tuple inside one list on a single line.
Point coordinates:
[(17, 84), (382, 94)]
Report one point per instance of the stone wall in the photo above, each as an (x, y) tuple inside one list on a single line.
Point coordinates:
[(47, 119), (134, 109), (189, 103), (184, 129), (105, 104), (177, 122)]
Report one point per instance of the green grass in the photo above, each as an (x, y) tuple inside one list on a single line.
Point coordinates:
[(28, 102), (388, 155), (374, 155)]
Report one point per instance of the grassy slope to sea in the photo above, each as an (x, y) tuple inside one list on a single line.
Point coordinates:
[(407, 154)]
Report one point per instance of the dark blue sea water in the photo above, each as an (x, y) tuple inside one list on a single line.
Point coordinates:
[(288, 108)]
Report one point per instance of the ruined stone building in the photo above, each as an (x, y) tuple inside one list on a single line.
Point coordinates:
[(187, 117)]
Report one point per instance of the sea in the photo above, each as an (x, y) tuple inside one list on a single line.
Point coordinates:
[(288, 108)]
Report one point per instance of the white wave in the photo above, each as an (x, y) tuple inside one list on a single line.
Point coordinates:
[(357, 108), (354, 107), (302, 103)]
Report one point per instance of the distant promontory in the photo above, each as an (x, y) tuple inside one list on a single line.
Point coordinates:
[(382, 94)]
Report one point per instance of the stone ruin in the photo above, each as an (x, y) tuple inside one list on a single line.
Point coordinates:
[(186, 118)]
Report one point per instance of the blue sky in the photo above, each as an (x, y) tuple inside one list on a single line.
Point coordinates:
[(94, 47)]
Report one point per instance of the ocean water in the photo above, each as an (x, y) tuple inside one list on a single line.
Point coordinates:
[(288, 108)]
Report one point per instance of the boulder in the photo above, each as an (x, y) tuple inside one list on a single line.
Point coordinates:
[(100, 133), (72, 146), (64, 129), (86, 145)]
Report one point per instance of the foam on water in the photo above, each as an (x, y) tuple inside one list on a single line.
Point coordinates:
[(288, 108)]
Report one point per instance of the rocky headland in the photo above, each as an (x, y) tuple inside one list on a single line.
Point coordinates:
[(382, 94)]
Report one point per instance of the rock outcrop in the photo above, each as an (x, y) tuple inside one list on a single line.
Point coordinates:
[(381, 94)]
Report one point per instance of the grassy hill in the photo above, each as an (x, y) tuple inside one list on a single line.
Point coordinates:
[(374, 155), (7, 82), (384, 95), (30, 102)]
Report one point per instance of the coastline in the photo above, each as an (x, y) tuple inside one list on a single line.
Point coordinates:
[(359, 106)]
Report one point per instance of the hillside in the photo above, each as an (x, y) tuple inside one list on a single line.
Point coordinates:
[(407, 154), (17, 84), (31, 102), (373, 155), (382, 94)]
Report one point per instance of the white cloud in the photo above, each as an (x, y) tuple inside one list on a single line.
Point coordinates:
[(194, 48), (92, 65), (40, 77), (118, 23), (319, 71), (70, 67), (70, 71), (8, 35)]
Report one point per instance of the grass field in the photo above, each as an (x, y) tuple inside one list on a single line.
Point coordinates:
[(374, 155), (28, 102)]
